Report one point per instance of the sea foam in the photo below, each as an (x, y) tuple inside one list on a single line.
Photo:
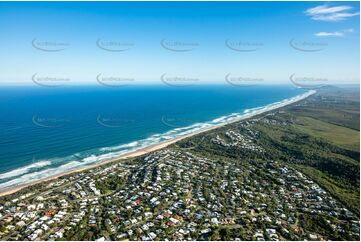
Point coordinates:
[(24, 170), (27, 174)]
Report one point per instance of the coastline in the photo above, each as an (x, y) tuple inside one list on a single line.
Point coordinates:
[(160, 145)]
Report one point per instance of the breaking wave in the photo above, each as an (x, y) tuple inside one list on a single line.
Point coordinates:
[(24, 170), (44, 169)]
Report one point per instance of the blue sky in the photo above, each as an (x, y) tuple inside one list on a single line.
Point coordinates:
[(268, 40)]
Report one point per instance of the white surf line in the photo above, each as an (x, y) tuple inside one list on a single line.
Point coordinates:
[(152, 141)]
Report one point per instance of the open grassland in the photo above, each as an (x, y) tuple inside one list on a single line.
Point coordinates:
[(335, 106), (342, 136)]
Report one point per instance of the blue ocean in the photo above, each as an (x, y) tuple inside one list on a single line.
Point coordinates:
[(45, 131)]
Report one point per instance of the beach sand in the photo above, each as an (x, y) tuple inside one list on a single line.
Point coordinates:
[(154, 147)]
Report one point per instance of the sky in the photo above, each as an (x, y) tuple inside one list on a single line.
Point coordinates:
[(151, 42)]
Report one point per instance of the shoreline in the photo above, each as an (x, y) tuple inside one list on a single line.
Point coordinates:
[(160, 145)]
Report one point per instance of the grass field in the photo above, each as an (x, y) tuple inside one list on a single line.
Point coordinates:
[(344, 137)]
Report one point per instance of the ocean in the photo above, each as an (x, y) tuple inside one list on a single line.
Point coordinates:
[(48, 130)]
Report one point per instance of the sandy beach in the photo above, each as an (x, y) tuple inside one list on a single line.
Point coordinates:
[(154, 147)]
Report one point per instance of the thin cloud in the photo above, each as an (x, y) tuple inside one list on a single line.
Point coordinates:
[(331, 14), (324, 9), (348, 31), (334, 34)]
